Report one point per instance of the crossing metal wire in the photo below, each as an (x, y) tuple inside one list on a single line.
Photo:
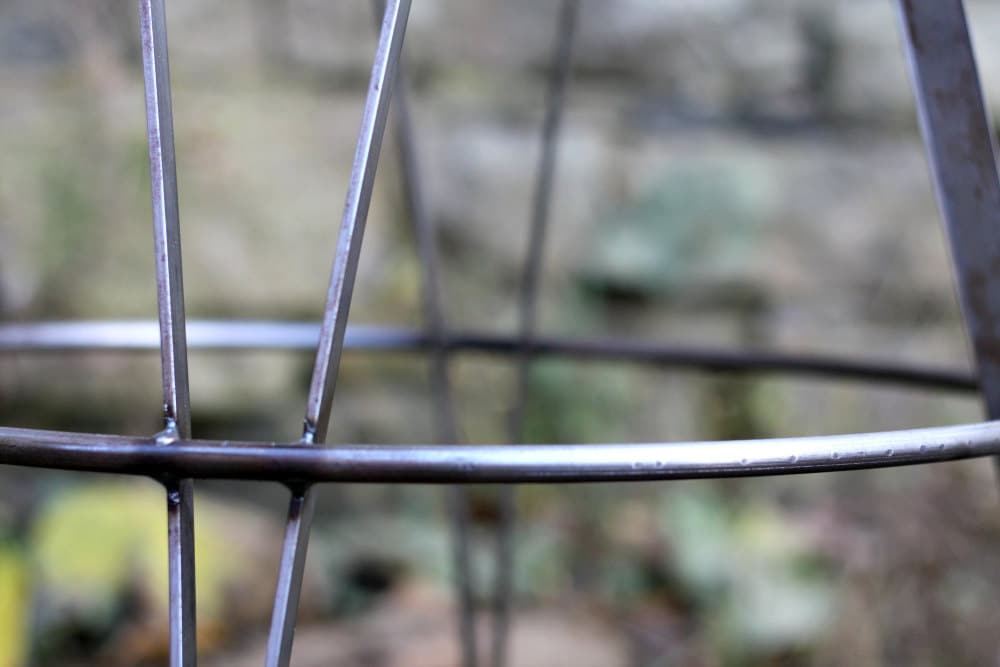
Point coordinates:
[(960, 149)]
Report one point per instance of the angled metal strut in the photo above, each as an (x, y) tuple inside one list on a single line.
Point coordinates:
[(331, 336), (960, 149)]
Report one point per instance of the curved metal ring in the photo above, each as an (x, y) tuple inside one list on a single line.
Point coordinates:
[(274, 335), (493, 463)]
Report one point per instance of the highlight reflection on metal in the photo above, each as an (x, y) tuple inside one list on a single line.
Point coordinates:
[(331, 334), (173, 346), (297, 464), (49, 337), (957, 133), (959, 138)]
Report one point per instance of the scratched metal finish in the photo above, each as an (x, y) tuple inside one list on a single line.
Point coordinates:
[(961, 154), (173, 345)]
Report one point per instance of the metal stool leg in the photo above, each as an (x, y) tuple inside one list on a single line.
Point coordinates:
[(331, 340), (503, 590), (446, 425), (959, 141), (173, 337)]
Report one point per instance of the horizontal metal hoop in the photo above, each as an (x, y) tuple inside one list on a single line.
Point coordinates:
[(457, 464), (274, 335)]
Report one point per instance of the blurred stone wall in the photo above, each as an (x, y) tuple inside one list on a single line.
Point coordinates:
[(733, 171)]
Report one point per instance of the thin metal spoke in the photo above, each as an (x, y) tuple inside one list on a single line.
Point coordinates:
[(180, 535), (331, 337), (352, 228), (530, 280), (960, 149), (457, 498), (293, 557), (173, 345), (166, 224)]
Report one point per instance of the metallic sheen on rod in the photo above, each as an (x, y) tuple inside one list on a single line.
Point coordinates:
[(352, 228), (530, 282), (960, 148), (461, 464), (331, 336), (302, 336), (289, 586), (457, 498), (173, 345)]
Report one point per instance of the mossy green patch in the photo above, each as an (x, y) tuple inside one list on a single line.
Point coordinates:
[(94, 543), (14, 602)]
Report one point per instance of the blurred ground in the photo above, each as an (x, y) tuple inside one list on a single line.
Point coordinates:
[(740, 172)]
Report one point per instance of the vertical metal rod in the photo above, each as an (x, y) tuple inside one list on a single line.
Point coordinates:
[(530, 280), (331, 338), (166, 225), (960, 148), (457, 498), (180, 535), (289, 587), (173, 342)]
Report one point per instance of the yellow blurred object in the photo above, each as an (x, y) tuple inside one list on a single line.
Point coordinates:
[(103, 546), (13, 608)]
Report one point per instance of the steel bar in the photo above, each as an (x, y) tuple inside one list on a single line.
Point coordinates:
[(338, 302), (456, 498), (528, 311), (331, 336), (289, 586), (960, 148), (166, 224), (541, 205), (173, 346), (462, 464), (181, 576), (300, 336)]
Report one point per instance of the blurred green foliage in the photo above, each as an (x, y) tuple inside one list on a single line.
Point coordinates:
[(15, 605)]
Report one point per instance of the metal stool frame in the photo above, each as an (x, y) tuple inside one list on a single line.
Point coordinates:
[(959, 144)]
